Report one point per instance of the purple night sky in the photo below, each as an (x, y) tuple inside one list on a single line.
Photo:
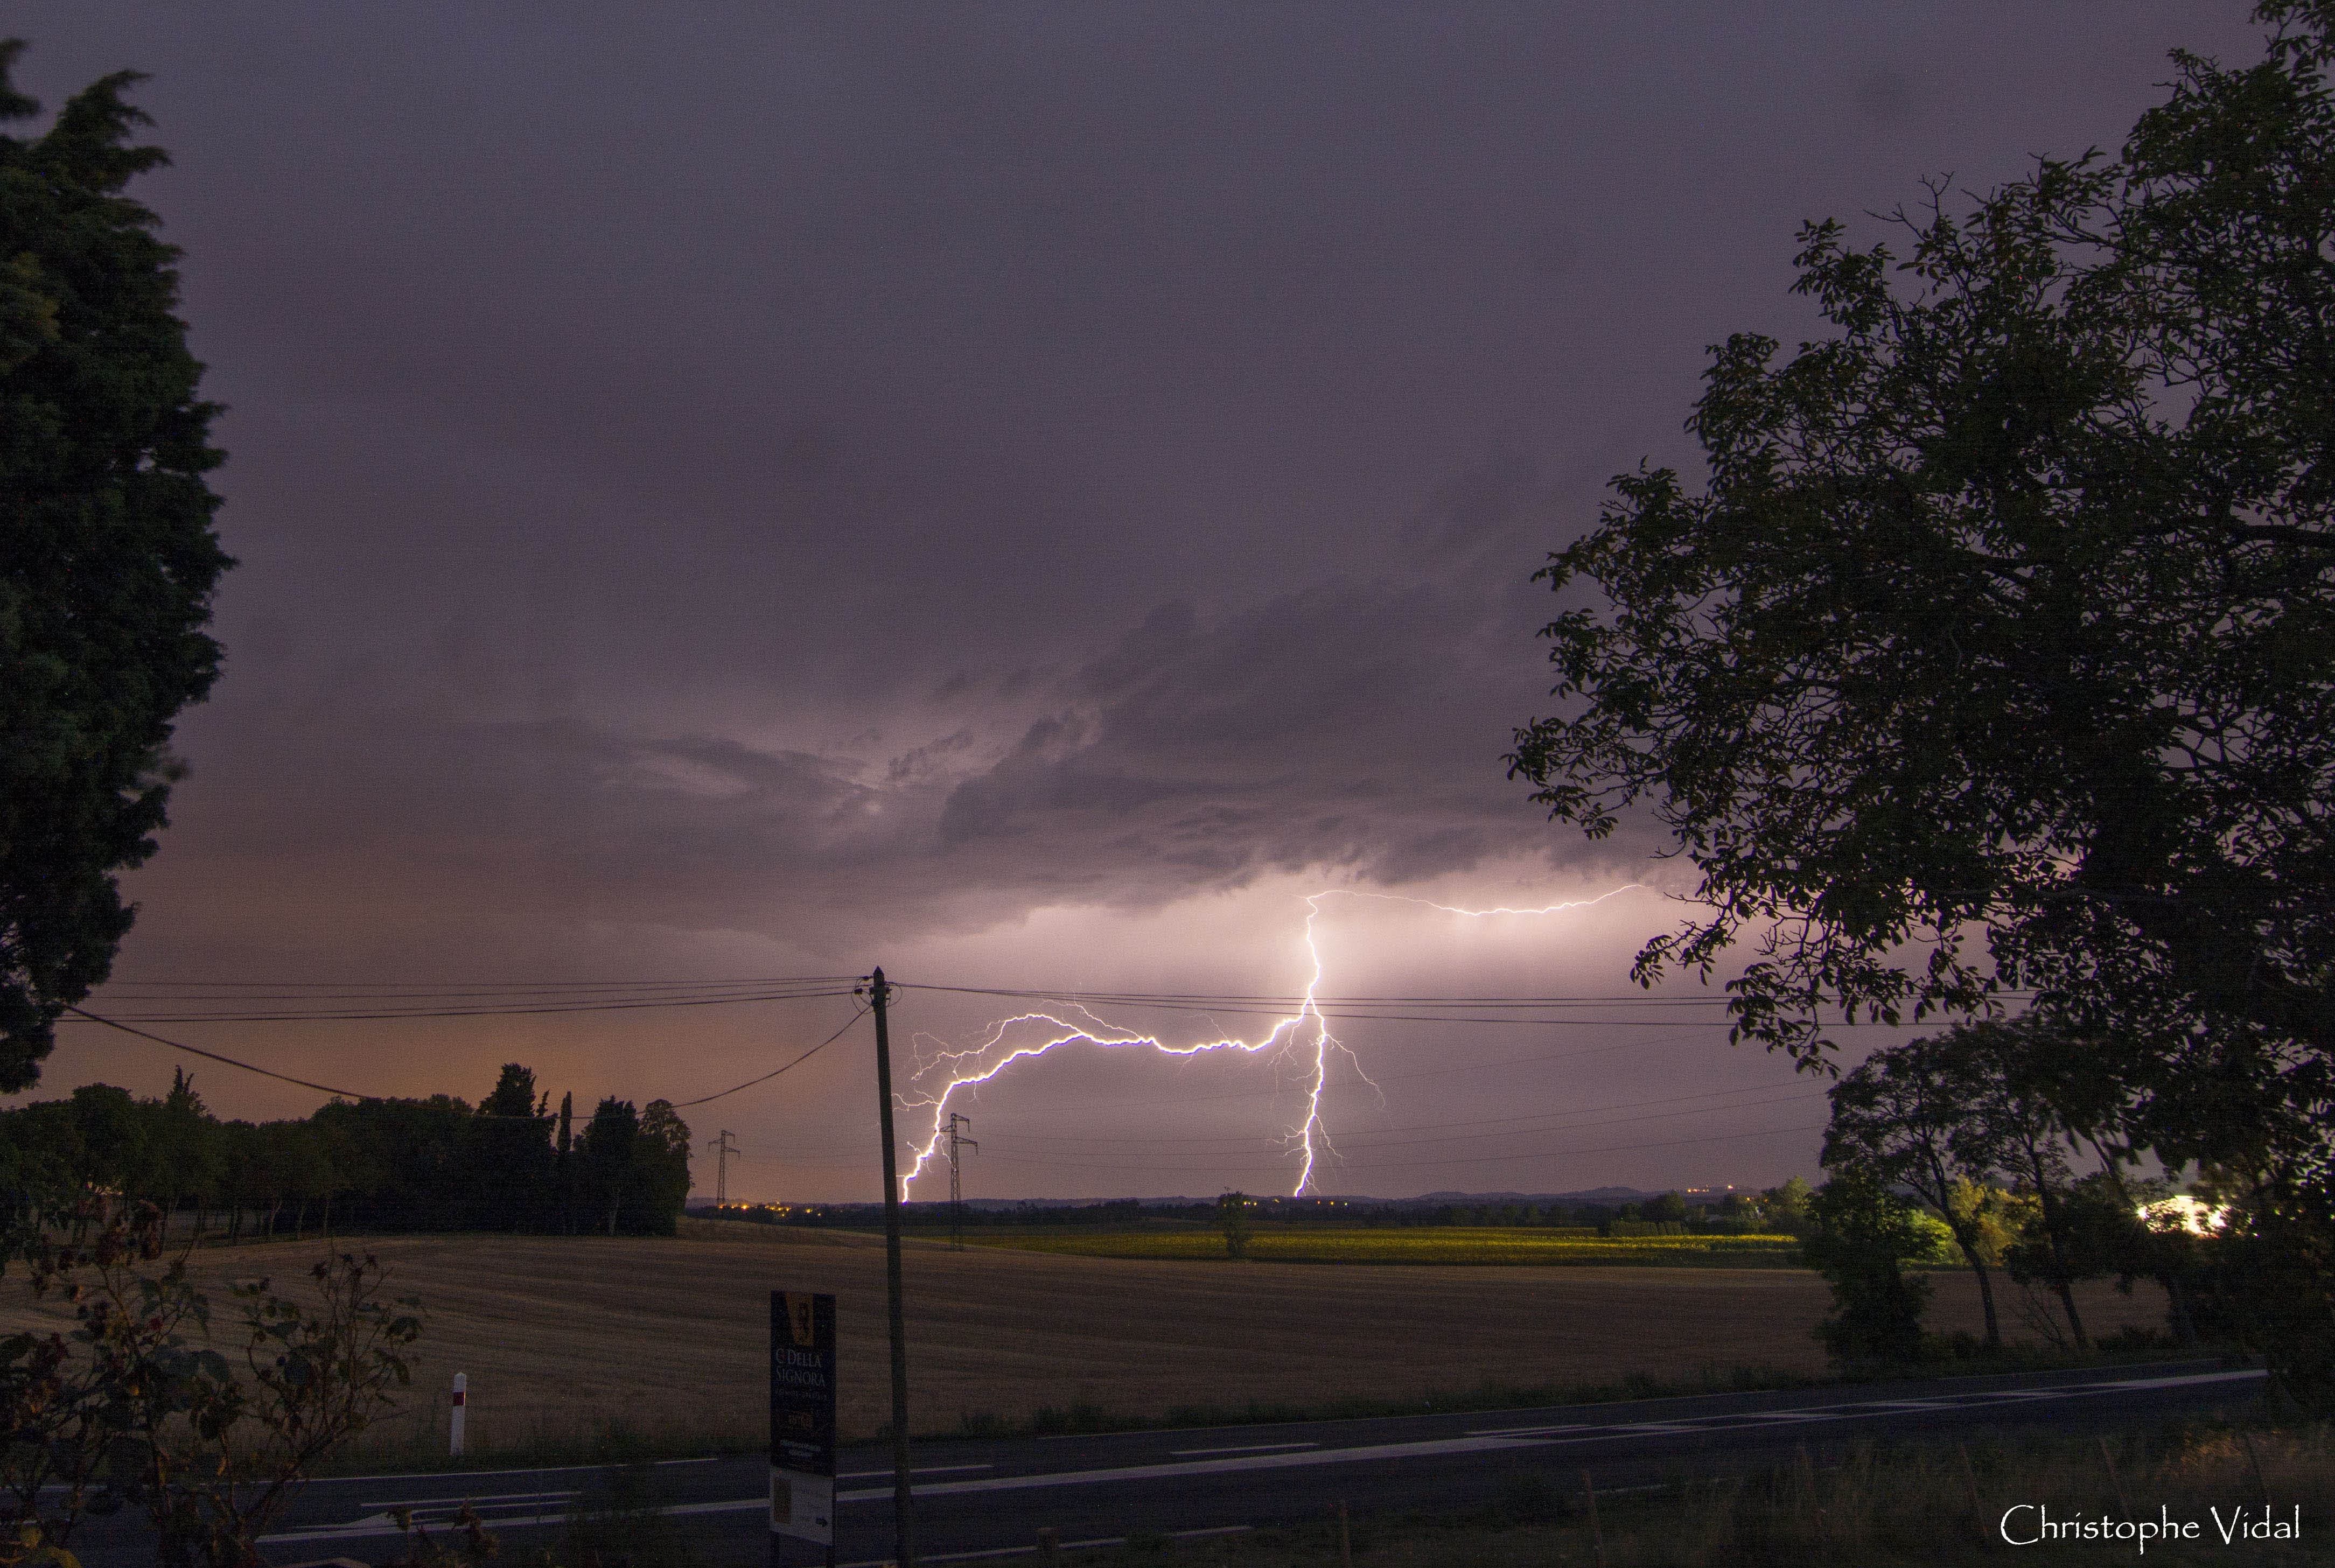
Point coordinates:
[(1020, 494)]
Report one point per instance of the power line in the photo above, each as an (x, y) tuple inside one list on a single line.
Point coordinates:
[(394, 999), (1362, 1143), (724, 1147), (1291, 1002), (418, 1000), (515, 1009), (774, 1072), (215, 1056), (1574, 1054), (1416, 1164), (454, 987), (1483, 1122), (352, 1093)]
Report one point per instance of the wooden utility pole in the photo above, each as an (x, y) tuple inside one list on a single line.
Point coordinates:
[(904, 1532), (956, 1186)]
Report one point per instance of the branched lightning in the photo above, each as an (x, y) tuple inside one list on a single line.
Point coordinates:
[(1304, 1035)]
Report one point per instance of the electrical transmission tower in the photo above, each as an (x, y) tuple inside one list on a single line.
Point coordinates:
[(723, 1149), (956, 1184)]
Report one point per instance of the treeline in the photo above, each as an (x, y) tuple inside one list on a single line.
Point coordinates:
[(1778, 1210), (440, 1163), (1781, 1209), (1983, 1132)]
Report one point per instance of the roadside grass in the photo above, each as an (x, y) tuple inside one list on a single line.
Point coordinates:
[(617, 1442), (415, 1442), (410, 1443), (1952, 1361), (621, 1519), (1897, 1506), (1444, 1244)]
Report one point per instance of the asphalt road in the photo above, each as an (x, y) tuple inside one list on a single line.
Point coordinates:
[(985, 1497)]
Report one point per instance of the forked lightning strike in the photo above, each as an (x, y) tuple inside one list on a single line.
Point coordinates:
[(1305, 1034)]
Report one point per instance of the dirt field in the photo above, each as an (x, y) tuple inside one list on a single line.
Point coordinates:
[(1420, 1244), (561, 1337)]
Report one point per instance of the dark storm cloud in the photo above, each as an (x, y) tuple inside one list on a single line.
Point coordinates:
[(1355, 725), (728, 481), (1285, 737)]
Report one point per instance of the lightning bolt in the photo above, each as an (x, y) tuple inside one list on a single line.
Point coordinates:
[(1304, 1034)]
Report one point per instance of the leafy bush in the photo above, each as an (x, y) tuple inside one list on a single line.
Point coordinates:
[(1860, 1235), (137, 1404)]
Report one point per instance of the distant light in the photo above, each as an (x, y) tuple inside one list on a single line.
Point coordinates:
[(2194, 1215)]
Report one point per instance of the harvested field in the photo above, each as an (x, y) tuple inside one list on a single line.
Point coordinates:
[(1422, 1244), (562, 1337)]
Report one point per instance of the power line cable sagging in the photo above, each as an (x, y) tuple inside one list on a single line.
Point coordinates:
[(790, 1067), (90, 1017), (84, 1015), (282, 1001), (319, 1001), (292, 1000), (288, 1001)]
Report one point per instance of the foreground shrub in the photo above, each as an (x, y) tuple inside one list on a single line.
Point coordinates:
[(139, 1403), (1860, 1237)]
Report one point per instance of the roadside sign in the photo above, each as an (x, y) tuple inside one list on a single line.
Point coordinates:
[(802, 1416)]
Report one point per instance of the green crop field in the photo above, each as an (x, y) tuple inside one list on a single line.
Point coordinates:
[(1422, 1244)]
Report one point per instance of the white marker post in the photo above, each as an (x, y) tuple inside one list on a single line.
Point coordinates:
[(461, 1400)]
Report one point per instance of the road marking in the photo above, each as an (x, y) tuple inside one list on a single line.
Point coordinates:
[(1533, 1431), (530, 1470), (1743, 1420), (457, 1502), (1431, 1448), (919, 1470), (1473, 1443), (371, 1524), (1435, 1447), (2184, 1379), (1065, 1547), (1251, 1448)]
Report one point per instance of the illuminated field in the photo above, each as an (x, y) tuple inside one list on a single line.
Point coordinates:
[(1424, 1244)]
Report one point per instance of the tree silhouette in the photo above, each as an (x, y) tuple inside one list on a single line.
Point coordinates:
[(605, 1152), (1998, 648), (107, 555)]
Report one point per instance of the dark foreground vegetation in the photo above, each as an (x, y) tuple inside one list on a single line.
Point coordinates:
[(1865, 1506), (202, 1414), (1977, 1133), (1983, 668), (1869, 1507)]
